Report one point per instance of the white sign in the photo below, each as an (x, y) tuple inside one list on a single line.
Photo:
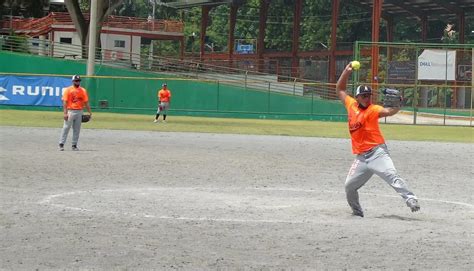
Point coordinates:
[(439, 65)]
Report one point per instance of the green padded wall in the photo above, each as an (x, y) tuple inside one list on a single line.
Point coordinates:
[(189, 96)]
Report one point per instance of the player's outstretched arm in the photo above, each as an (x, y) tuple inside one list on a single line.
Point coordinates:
[(388, 111), (341, 85)]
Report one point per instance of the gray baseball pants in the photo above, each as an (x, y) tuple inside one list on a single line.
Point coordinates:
[(163, 108), (376, 161), (74, 120)]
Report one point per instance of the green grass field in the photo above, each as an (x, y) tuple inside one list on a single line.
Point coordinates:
[(27, 118)]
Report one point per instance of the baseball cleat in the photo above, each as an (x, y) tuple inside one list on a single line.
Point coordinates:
[(61, 147), (74, 148), (155, 121), (358, 213), (413, 204)]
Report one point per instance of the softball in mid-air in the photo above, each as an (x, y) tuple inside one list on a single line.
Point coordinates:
[(355, 65)]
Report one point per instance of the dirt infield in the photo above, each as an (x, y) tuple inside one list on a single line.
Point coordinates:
[(151, 200)]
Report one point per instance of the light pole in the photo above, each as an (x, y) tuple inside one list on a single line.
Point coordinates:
[(193, 38), (328, 59), (150, 56), (92, 38), (11, 18), (10, 38)]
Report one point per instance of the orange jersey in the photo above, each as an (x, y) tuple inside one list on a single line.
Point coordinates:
[(164, 95), (363, 125), (75, 97)]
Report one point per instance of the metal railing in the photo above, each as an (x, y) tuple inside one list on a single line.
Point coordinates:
[(40, 26), (423, 104), (250, 79)]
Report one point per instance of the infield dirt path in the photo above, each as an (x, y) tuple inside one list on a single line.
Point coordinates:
[(151, 200)]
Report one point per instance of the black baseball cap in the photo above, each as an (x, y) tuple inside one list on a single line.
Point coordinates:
[(363, 90), (76, 78)]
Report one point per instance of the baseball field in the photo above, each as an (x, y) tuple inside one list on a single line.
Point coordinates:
[(164, 196)]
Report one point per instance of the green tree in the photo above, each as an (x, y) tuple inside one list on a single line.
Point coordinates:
[(316, 25), (25, 8)]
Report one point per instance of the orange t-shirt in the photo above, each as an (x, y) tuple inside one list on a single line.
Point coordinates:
[(164, 95), (75, 97), (363, 125)]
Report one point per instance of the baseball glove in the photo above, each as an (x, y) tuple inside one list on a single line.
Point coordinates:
[(86, 118), (392, 98)]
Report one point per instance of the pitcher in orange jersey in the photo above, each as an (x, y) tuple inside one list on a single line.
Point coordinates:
[(74, 98), (368, 144), (164, 98)]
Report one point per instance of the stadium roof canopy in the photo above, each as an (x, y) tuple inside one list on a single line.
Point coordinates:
[(182, 4), (434, 9), (418, 9)]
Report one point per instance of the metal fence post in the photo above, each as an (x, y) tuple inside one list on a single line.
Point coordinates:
[(415, 91), (472, 92), (445, 103), (445, 83), (217, 96), (268, 102), (472, 86), (113, 92), (246, 72), (294, 87)]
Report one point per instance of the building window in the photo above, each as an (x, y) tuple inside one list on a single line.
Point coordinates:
[(65, 40), (119, 44)]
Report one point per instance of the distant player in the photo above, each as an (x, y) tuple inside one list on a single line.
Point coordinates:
[(74, 98), (164, 98), (369, 145)]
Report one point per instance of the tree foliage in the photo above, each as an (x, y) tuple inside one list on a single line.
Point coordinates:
[(354, 22), (24, 8)]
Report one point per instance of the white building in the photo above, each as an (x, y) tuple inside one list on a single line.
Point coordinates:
[(121, 37)]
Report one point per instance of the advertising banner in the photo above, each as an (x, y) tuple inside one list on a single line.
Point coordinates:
[(438, 65), (401, 72), (32, 90)]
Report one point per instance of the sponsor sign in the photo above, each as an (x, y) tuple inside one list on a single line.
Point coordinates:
[(32, 90), (245, 49), (464, 72), (400, 72), (437, 65)]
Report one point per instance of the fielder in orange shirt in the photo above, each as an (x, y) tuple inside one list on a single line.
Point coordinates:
[(74, 98), (368, 144), (164, 98)]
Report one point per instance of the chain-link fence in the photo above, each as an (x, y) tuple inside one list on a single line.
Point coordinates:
[(435, 79)]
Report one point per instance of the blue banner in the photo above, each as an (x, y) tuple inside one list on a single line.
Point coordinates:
[(32, 90)]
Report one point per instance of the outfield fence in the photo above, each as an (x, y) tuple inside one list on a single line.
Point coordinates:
[(119, 90), (200, 98), (435, 79)]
